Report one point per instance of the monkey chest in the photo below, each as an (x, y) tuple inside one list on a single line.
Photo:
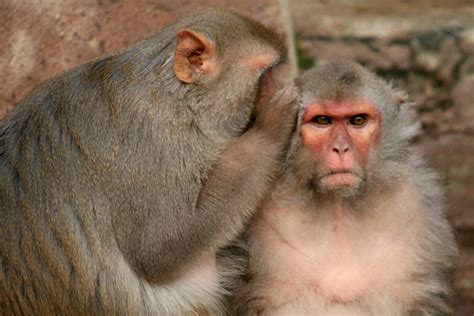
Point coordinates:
[(327, 266)]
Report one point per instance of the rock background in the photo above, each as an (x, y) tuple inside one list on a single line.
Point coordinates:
[(426, 47)]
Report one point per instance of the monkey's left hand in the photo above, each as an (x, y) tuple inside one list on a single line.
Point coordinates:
[(277, 118)]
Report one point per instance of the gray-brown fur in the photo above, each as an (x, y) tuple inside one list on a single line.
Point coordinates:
[(115, 176), (426, 288)]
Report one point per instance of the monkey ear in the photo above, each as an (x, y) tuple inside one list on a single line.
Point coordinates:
[(194, 56)]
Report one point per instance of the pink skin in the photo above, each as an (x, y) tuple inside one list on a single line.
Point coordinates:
[(340, 148)]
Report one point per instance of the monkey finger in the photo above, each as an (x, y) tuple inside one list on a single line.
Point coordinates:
[(286, 100), (268, 88), (279, 116)]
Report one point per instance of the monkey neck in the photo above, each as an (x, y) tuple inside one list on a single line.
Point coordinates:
[(337, 213), (297, 215)]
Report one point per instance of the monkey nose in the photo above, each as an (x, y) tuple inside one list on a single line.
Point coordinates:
[(341, 148)]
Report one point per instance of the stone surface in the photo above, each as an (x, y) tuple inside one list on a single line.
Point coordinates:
[(397, 55), (44, 38), (467, 41), (464, 281), (467, 66), (463, 103), (451, 58), (392, 19)]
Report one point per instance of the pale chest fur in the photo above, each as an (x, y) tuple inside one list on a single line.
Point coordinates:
[(318, 256), (197, 291)]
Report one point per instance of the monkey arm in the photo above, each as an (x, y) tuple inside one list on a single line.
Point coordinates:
[(246, 170), (239, 181), (230, 193)]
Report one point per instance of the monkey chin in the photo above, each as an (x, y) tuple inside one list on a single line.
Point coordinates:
[(343, 184)]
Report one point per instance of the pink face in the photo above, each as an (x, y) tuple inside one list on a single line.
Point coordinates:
[(339, 136)]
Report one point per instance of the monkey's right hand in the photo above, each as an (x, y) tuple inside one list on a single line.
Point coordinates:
[(278, 117)]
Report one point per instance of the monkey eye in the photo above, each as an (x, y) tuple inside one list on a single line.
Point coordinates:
[(322, 120), (358, 120)]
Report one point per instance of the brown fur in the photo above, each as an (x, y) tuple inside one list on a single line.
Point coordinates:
[(119, 179)]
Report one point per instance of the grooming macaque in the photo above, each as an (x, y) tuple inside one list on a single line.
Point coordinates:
[(356, 225), (121, 178)]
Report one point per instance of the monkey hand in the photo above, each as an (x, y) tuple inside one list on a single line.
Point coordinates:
[(278, 117)]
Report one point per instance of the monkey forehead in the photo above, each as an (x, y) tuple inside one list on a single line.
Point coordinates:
[(339, 109)]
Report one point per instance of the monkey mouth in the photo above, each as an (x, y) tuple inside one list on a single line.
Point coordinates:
[(340, 178), (339, 172)]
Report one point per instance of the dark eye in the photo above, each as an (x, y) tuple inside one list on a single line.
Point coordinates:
[(358, 120), (322, 120)]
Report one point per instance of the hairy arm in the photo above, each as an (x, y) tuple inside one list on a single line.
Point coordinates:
[(235, 185)]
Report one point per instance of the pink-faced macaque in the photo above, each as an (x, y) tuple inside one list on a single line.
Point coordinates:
[(356, 225)]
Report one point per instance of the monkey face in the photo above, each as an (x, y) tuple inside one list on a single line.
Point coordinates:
[(338, 137)]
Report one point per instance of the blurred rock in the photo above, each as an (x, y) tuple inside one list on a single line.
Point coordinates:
[(398, 55), (464, 282), (467, 41), (450, 59), (428, 61), (467, 67), (392, 19), (463, 103), (324, 51)]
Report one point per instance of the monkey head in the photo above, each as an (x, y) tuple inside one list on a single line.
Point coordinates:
[(352, 132), (224, 67)]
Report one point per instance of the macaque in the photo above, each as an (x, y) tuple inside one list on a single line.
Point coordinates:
[(355, 225), (121, 178)]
